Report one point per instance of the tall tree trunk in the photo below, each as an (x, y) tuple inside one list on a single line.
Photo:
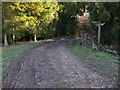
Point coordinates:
[(13, 38), (30, 37), (58, 33), (35, 38), (5, 40)]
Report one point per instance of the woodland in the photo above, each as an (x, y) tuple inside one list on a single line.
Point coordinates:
[(32, 21)]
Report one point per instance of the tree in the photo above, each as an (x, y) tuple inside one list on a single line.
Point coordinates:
[(5, 21), (42, 20), (110, 14), (33, 17), (66, 24)]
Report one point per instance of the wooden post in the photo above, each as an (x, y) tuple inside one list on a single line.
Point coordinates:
[(98, 24), (99, 30)]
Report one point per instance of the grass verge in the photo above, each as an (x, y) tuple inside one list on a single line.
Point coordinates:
[(104, 63), (13, 51)]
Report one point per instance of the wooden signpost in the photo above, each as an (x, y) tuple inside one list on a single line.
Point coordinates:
[(98, 24)]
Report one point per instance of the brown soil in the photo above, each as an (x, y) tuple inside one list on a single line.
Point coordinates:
[(52, 65)]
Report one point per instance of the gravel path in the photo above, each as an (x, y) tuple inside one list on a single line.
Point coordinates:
[(53, 66)]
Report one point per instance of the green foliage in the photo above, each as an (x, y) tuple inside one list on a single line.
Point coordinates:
[(66, 24), (98, 12), (50, 19), (34, 17), (110, 14)]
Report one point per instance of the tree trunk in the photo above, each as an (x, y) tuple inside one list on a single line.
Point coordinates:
[(13, 38), (5, 40), (30, 37), (35, 39)]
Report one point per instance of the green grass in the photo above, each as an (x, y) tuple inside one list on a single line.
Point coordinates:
[(107, 64), (11, 52)]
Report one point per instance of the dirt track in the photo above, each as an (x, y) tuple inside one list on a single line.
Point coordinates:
[(52, 65)]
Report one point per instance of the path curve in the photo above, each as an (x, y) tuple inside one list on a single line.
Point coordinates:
[(52, 65)]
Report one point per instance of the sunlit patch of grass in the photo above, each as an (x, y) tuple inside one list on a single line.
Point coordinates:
[(106, 63), (13, 51)]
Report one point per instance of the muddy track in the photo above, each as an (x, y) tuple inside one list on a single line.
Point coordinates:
[(52, 65)]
